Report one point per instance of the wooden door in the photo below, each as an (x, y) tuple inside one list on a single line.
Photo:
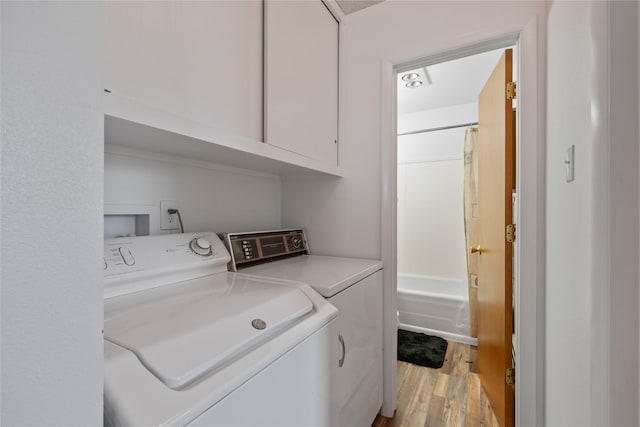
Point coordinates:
[(496, 167)]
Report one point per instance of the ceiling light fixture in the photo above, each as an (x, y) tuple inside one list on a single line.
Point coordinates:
[(413, 84), (409, 76)]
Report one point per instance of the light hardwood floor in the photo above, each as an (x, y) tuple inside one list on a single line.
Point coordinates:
[(447, 397)]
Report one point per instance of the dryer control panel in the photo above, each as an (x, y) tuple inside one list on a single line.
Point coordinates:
[(257, 247)]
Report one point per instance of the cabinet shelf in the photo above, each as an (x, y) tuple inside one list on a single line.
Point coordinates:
[(131, 124)]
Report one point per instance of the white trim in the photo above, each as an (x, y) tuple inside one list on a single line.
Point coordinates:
[(335, 10), (446, 335), (530, 181), (459, 52), (622, 52), (530, 244), (388, 197), (600, 204), (433, 159)]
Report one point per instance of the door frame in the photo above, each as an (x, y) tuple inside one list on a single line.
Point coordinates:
[(529, 245)]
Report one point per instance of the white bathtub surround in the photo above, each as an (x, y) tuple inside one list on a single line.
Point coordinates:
[(430, 215), (435, 306)]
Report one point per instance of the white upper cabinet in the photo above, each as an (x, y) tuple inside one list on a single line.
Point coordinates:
[(185, 78), (200, 61), (301, 78)]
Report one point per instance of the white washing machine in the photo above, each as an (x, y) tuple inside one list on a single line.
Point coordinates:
[(352, 285), (188, 343)]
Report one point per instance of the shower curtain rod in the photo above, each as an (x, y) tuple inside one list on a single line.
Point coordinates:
[(440, 128)]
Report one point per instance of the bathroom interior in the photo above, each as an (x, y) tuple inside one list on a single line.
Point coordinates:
[(437, 228), (437, 106)]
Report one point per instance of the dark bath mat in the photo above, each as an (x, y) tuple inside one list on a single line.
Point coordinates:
[(421, 349)]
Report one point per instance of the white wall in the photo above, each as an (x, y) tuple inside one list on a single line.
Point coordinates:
[(592, 54), (52, 306), (210, 197), (343, 217), (568, 297), (340, 212)]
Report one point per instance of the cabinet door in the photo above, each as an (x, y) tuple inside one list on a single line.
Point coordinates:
[(301, 78), (357, 397), (198, 60)]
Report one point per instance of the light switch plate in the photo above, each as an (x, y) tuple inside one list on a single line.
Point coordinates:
[(569, 163)]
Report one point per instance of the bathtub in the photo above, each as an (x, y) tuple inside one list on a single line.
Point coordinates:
[(434, 306)]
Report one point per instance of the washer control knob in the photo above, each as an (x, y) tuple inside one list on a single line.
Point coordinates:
[(296, 242), (201, 246)]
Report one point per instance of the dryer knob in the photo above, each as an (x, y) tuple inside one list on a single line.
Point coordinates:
[(201, 246), (296, 242)]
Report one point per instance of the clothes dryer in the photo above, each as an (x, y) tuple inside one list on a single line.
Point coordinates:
[(353, 286)]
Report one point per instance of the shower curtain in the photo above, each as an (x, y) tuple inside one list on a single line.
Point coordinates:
[(470, 221)]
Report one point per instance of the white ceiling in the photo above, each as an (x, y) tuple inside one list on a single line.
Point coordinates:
[(351, 6), (453, 83)]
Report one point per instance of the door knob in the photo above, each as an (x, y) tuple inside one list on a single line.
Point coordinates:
[(479, 249)]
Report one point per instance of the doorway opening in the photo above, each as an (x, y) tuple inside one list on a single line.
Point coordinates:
[(440, 118)]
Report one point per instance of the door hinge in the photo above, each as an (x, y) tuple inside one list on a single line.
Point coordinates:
[(511, 233), (511, 376), (511, 90)]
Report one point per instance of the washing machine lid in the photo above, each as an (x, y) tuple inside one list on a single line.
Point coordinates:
[(183, 332), (328, 275)]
